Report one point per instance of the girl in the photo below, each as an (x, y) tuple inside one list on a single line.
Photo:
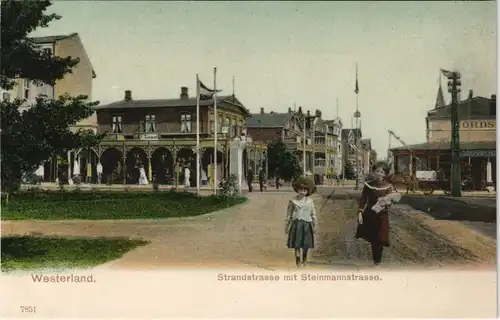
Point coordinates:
[(373, 217), (301, 219)]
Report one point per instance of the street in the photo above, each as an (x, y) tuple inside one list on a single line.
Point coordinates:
[(252, 235)]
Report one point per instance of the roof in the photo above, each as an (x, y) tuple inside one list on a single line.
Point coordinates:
[(446, 145), (367, 143), (345, 133), (53, 39), (268, 120), (475, 107), (170, 103)]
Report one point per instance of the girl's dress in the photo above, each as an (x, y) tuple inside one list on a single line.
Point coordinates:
[(301, 222), (187, 176), (375, 226), (143, 179)]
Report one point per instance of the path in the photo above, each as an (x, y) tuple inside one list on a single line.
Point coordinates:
[(252, 235)]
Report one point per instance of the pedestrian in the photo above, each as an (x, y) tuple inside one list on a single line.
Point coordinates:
[(249, 178), (187, 176), (277, 177), (373, 214), (301, 221), (143, 179), (262, 178)]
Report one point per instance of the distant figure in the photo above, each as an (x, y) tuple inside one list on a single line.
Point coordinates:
[(204, 178), (262, 178), (249, 178), (99, 172), (187, 175), (277, 177), (143, 179)]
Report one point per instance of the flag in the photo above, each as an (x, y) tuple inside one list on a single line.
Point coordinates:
[(356, 90), (204, 92)]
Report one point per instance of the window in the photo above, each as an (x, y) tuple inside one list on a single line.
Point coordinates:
[(212, 126), (227, 125), (26, 89), (47, 51), (117, 124), (150, 123), (185, 122), (240, 127), (6, 97), (220, 124), (234, 128)]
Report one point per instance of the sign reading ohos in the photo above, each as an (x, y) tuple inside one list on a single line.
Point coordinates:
[(478, 124)]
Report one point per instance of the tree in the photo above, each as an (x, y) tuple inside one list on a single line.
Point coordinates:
[(34, 136), (20, 58), (349, 171), (282, 158)]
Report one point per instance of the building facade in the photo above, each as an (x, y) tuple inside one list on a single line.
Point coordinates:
[(78, 82), (477, 134), (352, 149), (160, 135)]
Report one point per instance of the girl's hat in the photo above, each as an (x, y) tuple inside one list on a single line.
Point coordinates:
[(304, 181)]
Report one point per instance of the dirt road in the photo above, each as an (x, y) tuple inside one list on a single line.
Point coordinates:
[(252, 235)]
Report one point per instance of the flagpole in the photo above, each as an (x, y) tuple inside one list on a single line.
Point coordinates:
[(216, 131), (197, 135)]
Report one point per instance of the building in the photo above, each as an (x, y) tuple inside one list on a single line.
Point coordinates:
[(351, 148), (334, 128), (79, 82), (295, 130), (366, 161), (477, 133), (158, 134)]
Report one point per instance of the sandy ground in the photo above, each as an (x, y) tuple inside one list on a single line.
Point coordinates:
[(252, 235)]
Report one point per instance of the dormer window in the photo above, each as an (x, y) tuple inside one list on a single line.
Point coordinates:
[(117, 124), (151, 123), (185, 122)]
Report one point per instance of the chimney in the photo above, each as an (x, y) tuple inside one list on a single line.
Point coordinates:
[(184, 93), (471, 94), (261, 110), (308, 113), (318, 113), (300, 110), (289, 110), (128, 95), (493, 105)]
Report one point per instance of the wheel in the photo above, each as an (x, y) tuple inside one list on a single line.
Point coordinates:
[(428, 191)]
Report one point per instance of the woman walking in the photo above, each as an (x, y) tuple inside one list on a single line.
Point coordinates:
[(373, 214), (301, 220)]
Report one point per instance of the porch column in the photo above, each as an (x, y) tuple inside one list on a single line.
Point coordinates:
[(150, 169), (124, 160), (70, 181)]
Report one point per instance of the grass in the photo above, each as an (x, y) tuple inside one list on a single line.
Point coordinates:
[(50, 205), (28, 253)]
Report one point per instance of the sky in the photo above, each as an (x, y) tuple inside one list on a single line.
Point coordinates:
[(286, 53)]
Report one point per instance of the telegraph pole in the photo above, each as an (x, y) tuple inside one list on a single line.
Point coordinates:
[(454, 84)]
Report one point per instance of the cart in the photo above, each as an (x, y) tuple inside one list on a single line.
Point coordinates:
[(429, 181)]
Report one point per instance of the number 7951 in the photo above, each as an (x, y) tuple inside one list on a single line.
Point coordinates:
[(28, 309)]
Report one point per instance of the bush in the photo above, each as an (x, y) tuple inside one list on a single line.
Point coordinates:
[(229, 187)]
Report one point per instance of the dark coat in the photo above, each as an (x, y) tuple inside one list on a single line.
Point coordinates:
[(375, 227)]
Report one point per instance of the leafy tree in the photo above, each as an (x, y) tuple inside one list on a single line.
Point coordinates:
[(349, 171), (20, 58), (282, 158), (34, 136)]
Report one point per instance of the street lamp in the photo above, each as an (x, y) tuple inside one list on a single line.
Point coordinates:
[(454, 84)]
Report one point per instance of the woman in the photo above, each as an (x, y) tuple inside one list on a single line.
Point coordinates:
[(373, 218), (143, 179)]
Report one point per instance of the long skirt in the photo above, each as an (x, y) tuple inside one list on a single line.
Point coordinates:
[(375, 227), (300, 235)]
